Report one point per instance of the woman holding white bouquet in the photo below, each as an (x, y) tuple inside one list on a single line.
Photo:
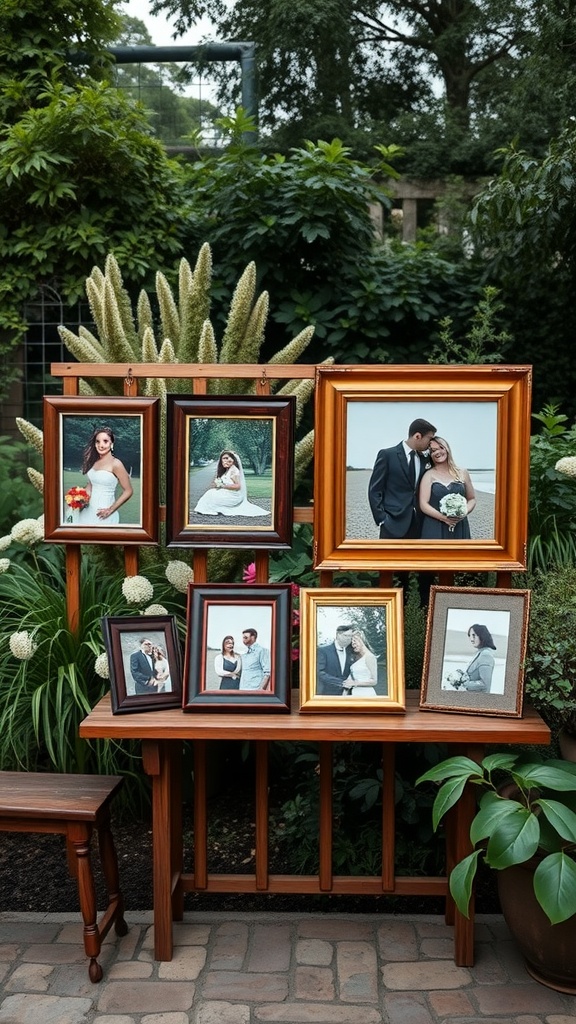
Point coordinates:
[(446, 496)]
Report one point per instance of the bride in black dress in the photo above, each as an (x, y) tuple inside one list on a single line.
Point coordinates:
[(445, 478)]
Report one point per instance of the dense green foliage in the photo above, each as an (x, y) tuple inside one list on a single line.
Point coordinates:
[(551, 657), (552, 506), (451, 80), (523, 226), (310, 211)]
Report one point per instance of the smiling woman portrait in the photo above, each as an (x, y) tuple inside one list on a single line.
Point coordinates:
[(105, 474), (446, 496)]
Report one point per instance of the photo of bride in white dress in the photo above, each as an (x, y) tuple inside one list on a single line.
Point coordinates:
[(105, 474), (227, 493), (364, 670)]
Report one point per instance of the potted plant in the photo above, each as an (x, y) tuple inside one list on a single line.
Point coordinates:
[(525, 829)]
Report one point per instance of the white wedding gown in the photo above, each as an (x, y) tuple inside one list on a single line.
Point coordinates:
[(104, 486), (359, 672), (228, 502)]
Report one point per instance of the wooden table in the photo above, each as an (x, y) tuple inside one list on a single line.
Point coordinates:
[(162, 734)]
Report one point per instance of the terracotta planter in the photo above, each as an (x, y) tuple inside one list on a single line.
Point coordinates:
[(548, 949)]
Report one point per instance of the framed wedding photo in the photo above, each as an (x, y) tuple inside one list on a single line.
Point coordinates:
[(422, 467), (238, 647), (475, 650), (144, 662), (101, 470), (231, 463), (351, 650)]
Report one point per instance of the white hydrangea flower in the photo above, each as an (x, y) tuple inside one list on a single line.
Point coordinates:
[(567, 465), (137, 589), (28, 531), (4, 564), (101, 666), (179, 574), (22, 645), (155, 609), (5, 541)]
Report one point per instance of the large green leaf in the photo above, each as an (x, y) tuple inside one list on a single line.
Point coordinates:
[(504, 761), (491, 815), (552, 776), (560, 817), (452, 766), (461, 879), (514, 840), (448, 795), (555, 886)]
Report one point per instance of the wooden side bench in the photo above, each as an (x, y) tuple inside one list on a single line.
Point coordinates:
[(72, 805)]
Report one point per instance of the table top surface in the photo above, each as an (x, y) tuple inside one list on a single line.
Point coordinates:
[(413, 725)]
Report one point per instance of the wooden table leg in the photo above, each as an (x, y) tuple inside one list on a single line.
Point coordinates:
[(157, 761), (458, 846)]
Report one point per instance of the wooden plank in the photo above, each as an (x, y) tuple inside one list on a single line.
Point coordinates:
[(414, 726), (212, 371)]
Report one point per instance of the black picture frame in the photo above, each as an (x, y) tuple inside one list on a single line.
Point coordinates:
[(123, 636), (219, 610), (200, 428)]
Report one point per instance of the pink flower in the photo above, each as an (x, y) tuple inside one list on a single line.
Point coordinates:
[(295, 617), (295, 653), (249, 574), (295, 590)]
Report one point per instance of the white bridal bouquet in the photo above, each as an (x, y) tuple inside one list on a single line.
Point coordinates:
[(453, 505), (459, 677)]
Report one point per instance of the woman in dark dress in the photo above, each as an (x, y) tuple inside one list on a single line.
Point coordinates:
[(444, 480)]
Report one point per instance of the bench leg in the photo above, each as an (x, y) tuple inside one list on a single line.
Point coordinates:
[(78, 837), (109, 862)]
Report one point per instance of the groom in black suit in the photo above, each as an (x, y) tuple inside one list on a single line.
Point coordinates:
[(333, 664), (393, 487), (142, 668)]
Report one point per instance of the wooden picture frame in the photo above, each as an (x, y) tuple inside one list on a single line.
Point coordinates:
[(373, 638), (128, 640), (205, 506), (461, 673), (362, 416), (70, 422), (214, 671)]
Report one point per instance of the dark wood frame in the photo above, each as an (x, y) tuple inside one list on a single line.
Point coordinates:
[(507, 386), (200, 597), (389, 599), (123, 703), (475, 600), (55, 408), (182, 409)]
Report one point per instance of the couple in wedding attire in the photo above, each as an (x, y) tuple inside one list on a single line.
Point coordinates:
[(348, 666), (227, 494)]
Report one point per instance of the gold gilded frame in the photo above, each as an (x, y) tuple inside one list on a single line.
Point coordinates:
[(390, 601), (430, 388)]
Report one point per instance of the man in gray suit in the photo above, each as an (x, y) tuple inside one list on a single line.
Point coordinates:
[(393, 487)]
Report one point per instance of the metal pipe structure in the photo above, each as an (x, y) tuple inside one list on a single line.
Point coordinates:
[(244, 53)]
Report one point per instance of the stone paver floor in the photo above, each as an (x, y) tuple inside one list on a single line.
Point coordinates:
[(265, 968)]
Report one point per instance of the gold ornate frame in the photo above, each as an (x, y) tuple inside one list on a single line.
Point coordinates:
[(391, 674), (507, 387)]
